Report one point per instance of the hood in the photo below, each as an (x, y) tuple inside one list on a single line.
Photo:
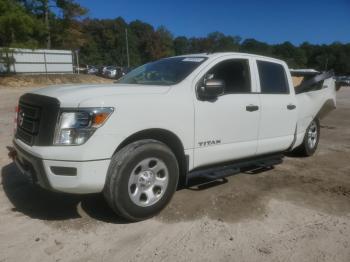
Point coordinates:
[(72, 95)]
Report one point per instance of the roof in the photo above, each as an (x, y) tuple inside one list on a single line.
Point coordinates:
[(220, 54)]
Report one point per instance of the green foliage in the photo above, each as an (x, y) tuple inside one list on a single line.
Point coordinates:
[(256, 47), (221, 43), (214, 42), (70, 9), (163, 43), (17, 26), (181, 45), (105, 43), (32, 23), (294, 56), (6, 59)]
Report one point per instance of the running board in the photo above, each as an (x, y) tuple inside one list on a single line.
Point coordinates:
[(219, 172)]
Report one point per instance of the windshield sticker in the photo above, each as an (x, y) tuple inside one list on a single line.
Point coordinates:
[(193, 59)]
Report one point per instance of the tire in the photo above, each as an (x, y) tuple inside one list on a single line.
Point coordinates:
[(141, 179), (311, 139)]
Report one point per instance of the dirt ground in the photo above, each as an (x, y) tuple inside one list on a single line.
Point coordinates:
[(299, 211), (18, 81)]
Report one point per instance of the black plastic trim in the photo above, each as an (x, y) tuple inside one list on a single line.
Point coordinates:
[(49, 112), (291, 107), (63, 170), (33, 165), (252, 108), (226, 169), (311, 84)]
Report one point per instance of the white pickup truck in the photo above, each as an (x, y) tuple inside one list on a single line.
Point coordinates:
[(167, 121)]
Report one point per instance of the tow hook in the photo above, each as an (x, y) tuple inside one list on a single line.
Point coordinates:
[(12, 152)]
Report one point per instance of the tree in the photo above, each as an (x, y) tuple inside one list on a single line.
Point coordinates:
[(6, 60), (144, 34), (68, 29), (222, 43), (181, 45), (35, 24), (17, 27), (200, 45), (255, 47), (163, 43), (294, 56), (41, 9)]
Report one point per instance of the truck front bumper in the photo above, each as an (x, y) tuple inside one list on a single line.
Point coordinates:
[(78, 177)]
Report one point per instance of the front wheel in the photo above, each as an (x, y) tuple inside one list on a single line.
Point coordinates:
[(141, 179), (311, 139)]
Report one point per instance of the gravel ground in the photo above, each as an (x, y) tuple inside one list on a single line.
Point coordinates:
[(298, 211), (20, 81)]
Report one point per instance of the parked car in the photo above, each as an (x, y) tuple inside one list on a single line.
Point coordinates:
[(165, 123), (81, 69), (116, 72), (124, 71), (343, 80), (110, 72), (92, 70), (102, 70)]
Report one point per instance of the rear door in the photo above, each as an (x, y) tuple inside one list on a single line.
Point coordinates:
[(227, 128), (278, 107)]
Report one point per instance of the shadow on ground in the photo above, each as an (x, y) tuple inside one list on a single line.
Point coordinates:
[(315, 183), (39, 203), (244, 196)]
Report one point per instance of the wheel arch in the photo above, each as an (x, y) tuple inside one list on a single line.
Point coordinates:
[(327, 107), (323, 111), (168, 138)]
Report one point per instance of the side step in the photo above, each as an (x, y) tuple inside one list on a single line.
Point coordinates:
[(225, 170)]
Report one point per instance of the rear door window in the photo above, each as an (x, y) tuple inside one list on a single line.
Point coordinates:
[(273, 78)]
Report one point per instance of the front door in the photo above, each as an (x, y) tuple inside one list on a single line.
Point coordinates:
[(227, 128)]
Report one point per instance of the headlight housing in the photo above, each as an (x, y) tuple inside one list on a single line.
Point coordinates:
[(75, 127)]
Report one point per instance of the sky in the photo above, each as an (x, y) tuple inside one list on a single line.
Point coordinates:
[(271, 21)]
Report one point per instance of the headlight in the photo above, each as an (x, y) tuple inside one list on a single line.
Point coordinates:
[(76, 127)]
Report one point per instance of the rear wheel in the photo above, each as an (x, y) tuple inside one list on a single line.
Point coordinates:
[(141, 179), (311, 139)]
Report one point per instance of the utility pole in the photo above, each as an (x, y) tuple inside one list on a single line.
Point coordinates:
[(127, 46), (47, 24), (77, 56)]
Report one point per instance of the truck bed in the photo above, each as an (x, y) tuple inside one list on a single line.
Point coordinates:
[(315, 102)]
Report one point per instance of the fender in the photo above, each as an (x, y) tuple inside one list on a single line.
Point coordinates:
[(290, 148), (327, 107)]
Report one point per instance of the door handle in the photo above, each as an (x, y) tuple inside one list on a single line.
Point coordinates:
[(251, 108), (291, 107)]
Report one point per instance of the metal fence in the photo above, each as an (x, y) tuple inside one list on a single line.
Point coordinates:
[(37, 61)]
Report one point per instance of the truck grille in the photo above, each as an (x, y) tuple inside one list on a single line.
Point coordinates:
[(28, 120), (36, 119)]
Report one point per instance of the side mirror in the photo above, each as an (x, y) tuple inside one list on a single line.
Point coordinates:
[(211, 88)]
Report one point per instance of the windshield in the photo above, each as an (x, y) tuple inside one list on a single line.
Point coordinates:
[(168, 71)]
